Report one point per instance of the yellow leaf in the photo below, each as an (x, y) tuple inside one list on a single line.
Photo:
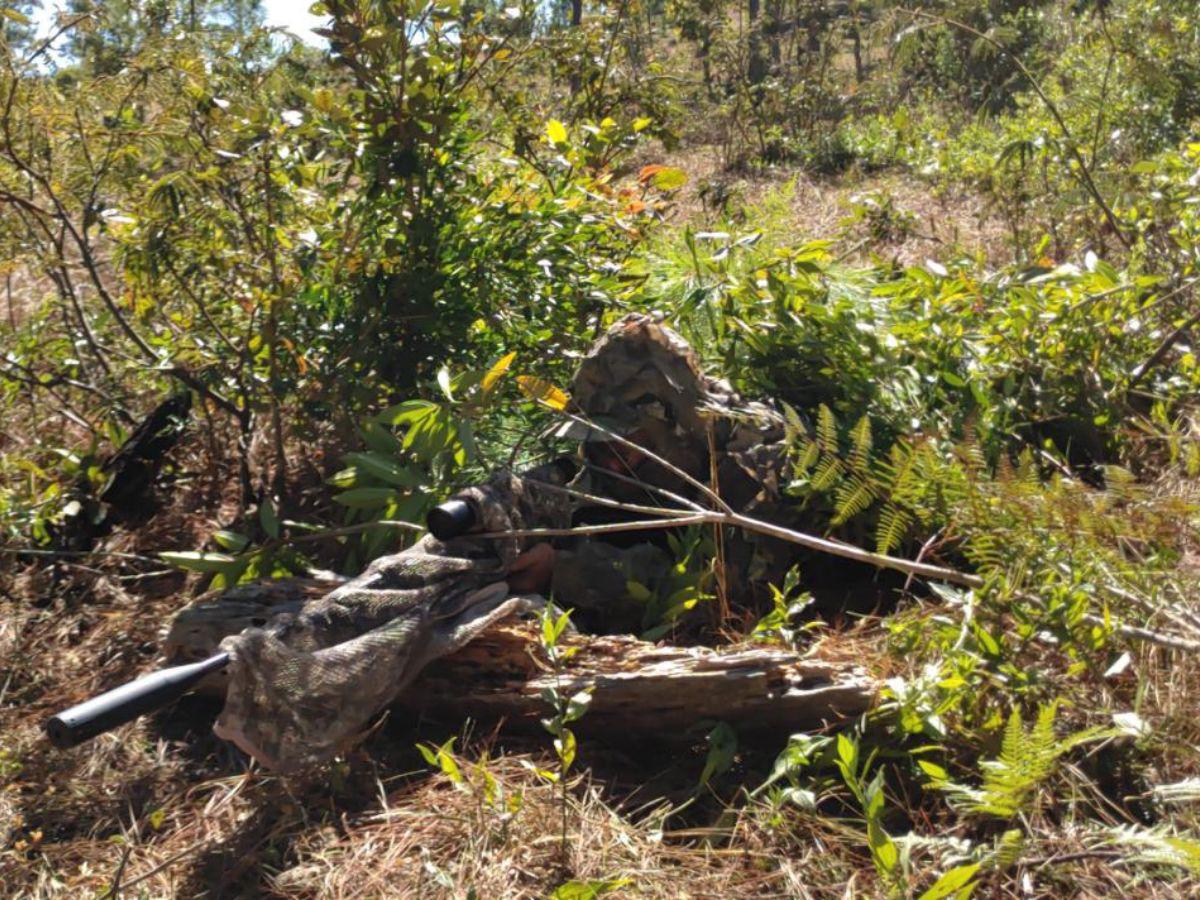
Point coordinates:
[(556, 132), (540, 389), (494, 373)]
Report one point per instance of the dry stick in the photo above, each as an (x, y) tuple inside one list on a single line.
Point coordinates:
[(736, 520), (1072, 146), (609, 502), (718, 532), (1157, 638), (350, 529), (169, 861), (68, 554), (812, 542), (1161, 351), (609, 473), (1182, 617)]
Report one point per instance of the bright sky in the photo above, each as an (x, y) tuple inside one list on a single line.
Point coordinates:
[(290, 14), (295, 17)]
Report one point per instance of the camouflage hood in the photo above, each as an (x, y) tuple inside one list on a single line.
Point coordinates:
[(643, 381)]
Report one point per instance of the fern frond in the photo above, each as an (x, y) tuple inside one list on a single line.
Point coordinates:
[(892, 528), (1158, 846), (855, 495), (806, 459), (860, 444), (827, 473), (827, 430), (1027, 759)]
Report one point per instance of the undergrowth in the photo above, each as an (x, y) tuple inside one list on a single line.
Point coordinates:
[(373, 269)]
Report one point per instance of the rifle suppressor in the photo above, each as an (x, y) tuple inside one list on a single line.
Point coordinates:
[(124, 704)]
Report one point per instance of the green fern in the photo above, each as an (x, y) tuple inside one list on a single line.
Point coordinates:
[(855, 495), (860, 445), (1159, 846), (827, 473), (892, 528), (1027, 759), (827, 431)]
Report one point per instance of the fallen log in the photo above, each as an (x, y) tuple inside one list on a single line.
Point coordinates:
[(639, 688)]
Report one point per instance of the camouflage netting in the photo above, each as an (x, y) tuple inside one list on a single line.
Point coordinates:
[(311, 680)]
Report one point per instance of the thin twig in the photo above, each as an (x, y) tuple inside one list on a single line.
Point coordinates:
[(1170, 641), (353, 529), (670, 495), (67, 554), (1162, 349), (169, 861)]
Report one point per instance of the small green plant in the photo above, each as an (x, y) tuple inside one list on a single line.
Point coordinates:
[(688, 584), (566, 708), (493, 801), (781, 624), (870, 796)]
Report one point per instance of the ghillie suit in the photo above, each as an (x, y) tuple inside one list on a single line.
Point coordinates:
[(304, 685), (644, 382)]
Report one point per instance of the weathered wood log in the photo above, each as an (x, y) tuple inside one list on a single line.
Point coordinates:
[(639, 688)]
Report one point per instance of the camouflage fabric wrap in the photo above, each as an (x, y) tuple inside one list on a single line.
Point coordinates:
[(303, 686)]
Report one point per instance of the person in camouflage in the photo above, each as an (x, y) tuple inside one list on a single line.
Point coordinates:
[(307, 683), (643, 382)]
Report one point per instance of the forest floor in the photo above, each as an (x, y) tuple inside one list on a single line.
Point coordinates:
[(921, 221)]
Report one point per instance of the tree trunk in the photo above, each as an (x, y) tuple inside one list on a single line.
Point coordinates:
[(757, 69)]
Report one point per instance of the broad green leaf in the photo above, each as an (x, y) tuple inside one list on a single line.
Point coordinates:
[(383, 467), (883, 848), (195, 561), (231, 540), (268, 518), (577, 706), (366, 497), (566, 746), (408, 412), (952, 883)]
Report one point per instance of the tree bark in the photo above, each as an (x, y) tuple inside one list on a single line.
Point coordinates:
[(640, 689), (757, 70)]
